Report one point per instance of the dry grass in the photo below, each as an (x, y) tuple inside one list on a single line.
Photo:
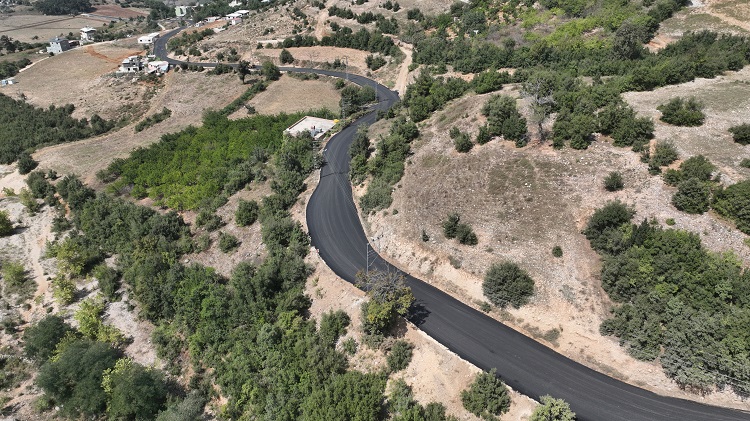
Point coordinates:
[(291, 95), (24, 27), (522, 203), (119, 12)]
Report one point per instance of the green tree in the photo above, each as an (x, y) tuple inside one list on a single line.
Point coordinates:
[(613, 181), (450, 225), (270, 71), (228, 242), (285, 57), (503, 119), (41, 338), (664, 154), (135, 392), (681, 112), (389, 298), (400, 356), (506, 283), (74, 378), (26, 163), (734, 202), (552, 409), (6, 225), (487, 396)]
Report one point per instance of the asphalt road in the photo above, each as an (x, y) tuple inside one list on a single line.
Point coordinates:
[(524, 364)]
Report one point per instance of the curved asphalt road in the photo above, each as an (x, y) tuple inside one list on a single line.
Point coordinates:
[(521, 362)]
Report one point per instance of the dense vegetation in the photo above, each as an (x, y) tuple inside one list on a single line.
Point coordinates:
[(733, 202), (344, 37), (186, 168), (149, 121), (487, 396), (681, 112), (24, 127), (11, 68), (63, 7), (678, 302), (552, 409), (507, 284), (741, 133)]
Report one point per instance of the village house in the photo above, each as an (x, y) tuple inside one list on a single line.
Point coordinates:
[(58, 45), (317, 127), (87, 34), (148, 39), (180, 11), (132, 64)]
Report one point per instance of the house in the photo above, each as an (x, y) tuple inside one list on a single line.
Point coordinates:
[(235, 3), (234, 18), (148, 39), (243, 12), (87, 34), (58, 45), (132, 64), (180, 11), (212, 19), (6, 82), (317, 127)]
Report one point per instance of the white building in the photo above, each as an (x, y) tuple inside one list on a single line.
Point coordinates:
[(57, 45), (87, 34), (235, 3), (317, 127), (132, 64), (158, 67), (180, 11), (148, 39)]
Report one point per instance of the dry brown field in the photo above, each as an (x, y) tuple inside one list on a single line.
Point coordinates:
[(25, 27), (116, 11), (291, 95)]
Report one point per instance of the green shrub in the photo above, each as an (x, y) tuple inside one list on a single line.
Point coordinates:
[(557, 251), (741, 133), (461, 140), (450, 225), (466, 235), (108, 279), (400, 356), (692, 196), (552, 409), (14, 274), (680, 112), (603, 229), (483, 135), (228, 242), (40, 339), (613, 181), (378, 196), (247, 213), (26, 163), (745, 163), (209, 220), (670, 221), (503, 119), (506, 283), (733, 202), (285, 57), (487, 396), (664, 154), (6, 225)]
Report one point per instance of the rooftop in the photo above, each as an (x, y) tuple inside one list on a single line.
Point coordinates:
[(316, 126)]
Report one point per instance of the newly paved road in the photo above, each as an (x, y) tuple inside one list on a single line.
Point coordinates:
[(523, 363)]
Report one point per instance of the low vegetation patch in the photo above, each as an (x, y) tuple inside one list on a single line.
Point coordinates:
[(681, 112), (507, 284), (149, 121)]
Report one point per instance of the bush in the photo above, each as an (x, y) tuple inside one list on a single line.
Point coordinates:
[(613, 181), (506, 283), (108, 279), (603, 227), (483, 135), (692, 196), (374, 62), (400, 356), (741, 133), (40, 340), (247, 213), (461, 140), (557, 251), (552, 409), (487, 396), (378, 196), (664, 154), (6, 225), (228, 242), (504, 119), (209, 220), (14, 274), (26, 163), (450, 225), (466, 235), (680, 112), (733, 203)]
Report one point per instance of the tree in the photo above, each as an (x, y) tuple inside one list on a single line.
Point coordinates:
[(400, 356), (503, 119), (613, 181), (6, 225), (628, 41), (62, 7), (741, 133), (228, 242), (552, 409), (26, 163), (389, 298), (74, 379), (733, 202), (664, 154), (243, 69), (506, 283), (285, 57), (487, 396), (41, 339), (135, 392), (270, 71), (461, 140), (539, 88), (603, 229)]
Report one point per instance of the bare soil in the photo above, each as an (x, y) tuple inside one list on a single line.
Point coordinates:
[(24, 27), (116, 11), (291, 95), (522, 203)]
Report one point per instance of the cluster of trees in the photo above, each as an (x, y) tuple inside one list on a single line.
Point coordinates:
[(187, 39), (503, 119), (374, 62), (386, 167), (389, 299), (384, 25), (428, 94), (11, 45), (184, 169), (24, 127), (678, 302), (149, 121), (353, 98), (344, 37), (63, 7), (11, 68)]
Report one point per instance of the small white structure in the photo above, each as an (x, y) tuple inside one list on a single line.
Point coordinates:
[(148, 39), (132, 64), (317, 127), (235, 3), (6, 82), (243, 12), (180, 11), (212, 19), (87, 34), (158, 67), (234, 18)]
